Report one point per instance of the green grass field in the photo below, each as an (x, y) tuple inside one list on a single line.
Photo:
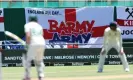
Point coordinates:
[(111, 72)]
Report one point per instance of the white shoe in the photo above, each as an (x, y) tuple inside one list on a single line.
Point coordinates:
[(127, 70), (40, 78)]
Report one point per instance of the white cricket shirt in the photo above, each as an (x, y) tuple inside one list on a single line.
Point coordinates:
[(36, 32), (112, 37)]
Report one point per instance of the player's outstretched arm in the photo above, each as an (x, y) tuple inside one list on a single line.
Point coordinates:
[(105, 38), (121, 42)]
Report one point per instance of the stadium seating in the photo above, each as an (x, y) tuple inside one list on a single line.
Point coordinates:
[(63, 3)]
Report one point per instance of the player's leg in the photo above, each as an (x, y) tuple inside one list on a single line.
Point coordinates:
[(123, 58), (27, 70), (102, 60), (27, 58), (103, 54), (40, 69), (39, 62)]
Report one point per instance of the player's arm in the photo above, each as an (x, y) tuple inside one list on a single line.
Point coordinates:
[(105, 38), (104, 41), (28, 38), (120, 40), (27, 33)]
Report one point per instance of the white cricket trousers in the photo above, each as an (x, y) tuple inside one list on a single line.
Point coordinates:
[(35, 53), (105, 51)]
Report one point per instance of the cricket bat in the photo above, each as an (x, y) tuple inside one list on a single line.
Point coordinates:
[(15, 37)]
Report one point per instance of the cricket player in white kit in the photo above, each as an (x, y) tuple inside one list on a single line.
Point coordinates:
[(36, 48), (112, 39)]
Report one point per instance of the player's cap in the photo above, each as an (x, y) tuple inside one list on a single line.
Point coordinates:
[(113, 24), (33, 18)]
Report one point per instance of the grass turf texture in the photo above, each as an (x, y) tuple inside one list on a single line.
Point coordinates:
[(111, 72)]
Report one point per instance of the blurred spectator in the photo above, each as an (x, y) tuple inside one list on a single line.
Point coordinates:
[(3, 47), (34, 3), (11, 2)]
